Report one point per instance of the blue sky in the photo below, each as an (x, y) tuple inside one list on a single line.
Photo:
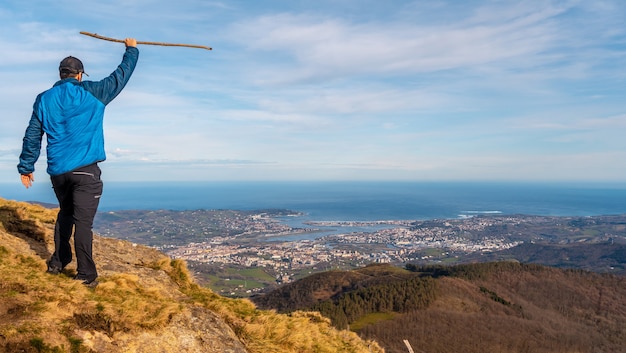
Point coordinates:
[(336, 90)]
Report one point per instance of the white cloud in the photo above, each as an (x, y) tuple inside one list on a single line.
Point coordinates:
[(331, 46)]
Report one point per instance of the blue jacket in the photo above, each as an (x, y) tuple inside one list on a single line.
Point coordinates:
[(71, 114)]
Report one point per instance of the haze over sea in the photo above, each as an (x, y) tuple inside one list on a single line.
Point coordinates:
[(356, 201)]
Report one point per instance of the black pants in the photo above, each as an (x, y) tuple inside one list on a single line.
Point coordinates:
[(79, 194)]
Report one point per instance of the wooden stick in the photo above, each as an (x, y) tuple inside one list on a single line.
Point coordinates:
[(408, 346), (147, 43)]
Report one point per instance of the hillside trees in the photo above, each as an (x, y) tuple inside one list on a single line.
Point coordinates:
[(401, 296)]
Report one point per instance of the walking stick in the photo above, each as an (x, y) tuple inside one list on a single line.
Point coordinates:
[(147, 43)]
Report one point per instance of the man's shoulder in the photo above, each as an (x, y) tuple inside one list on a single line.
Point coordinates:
[(49, 92), (61, 86), (64, 92)]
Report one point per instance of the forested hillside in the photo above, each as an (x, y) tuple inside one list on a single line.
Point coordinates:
[(483, 307)]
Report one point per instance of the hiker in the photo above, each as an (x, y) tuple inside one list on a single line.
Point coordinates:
[(71, 115)]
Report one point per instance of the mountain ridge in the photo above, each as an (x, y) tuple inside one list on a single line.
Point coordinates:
[(147, 302), (480, 307)]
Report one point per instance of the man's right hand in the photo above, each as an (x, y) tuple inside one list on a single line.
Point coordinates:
[(27, 180), (130, 42)]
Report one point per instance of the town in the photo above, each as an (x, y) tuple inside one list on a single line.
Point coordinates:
[(400, 244)]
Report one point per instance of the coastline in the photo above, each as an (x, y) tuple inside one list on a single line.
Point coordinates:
[(356, 201)]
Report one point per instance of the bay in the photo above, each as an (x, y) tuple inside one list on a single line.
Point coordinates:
[(356, 200)]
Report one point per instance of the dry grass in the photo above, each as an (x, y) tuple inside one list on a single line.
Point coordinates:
[(265, 331), (44, 313)]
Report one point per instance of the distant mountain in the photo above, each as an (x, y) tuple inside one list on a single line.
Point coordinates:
[(604, 257), (44, 204), (145, 303), (482, 307)]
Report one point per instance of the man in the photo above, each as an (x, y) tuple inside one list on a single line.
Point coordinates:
[(71, 115)]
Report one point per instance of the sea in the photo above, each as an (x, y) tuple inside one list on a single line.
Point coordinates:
[(354, 200)]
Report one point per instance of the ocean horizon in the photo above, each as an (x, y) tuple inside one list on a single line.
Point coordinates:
[(356, 200)]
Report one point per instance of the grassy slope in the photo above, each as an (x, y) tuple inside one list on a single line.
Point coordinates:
[(142, 293)]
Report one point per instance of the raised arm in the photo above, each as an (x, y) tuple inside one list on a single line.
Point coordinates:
[(107, 89)]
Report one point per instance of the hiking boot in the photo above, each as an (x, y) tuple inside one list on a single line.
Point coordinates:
[(53, 270), (87, 283)]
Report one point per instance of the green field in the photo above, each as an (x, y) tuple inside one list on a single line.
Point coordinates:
[(233, 280), (370, 319)]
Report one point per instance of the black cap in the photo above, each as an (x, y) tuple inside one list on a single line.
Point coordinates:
[(71, 65)]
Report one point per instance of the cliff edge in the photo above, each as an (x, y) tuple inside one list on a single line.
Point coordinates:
[(145, 302)]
